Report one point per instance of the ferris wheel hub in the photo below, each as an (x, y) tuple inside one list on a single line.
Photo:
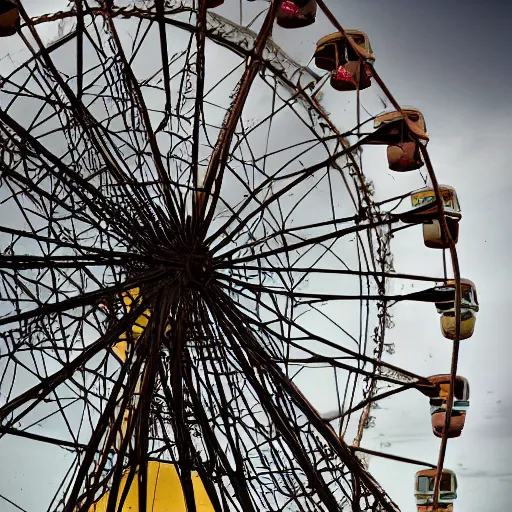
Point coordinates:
[(197, 270)]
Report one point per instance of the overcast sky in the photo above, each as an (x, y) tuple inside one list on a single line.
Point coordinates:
[(450, 60)]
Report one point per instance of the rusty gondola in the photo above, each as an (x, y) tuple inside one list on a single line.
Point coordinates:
[(349, 70), (296, 13), (400, 132), (424, 490), (9, 18)]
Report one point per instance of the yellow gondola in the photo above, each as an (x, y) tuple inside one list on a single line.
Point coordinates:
[(424, 489), (469, 308), (424, 200), (9, 18), (296, 13), (164, 491), (334, 54), (432, 232), (425, 211)]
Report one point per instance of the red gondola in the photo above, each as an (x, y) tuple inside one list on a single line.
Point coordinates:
[(350, 72), (9, 18), (296, 13)]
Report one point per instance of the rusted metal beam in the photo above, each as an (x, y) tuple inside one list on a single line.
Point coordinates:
[(394, 457)]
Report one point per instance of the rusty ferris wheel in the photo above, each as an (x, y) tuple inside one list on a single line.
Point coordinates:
[(189, 244)]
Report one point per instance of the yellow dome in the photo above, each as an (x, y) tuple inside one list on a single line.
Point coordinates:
[(165, 493)]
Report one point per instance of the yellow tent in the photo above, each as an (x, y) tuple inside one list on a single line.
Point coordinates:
[(165, 493), (121, 348)]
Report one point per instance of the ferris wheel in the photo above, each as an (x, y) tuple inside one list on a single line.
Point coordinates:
[(196, 273)]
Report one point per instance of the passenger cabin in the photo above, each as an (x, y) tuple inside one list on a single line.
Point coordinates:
[(164, 491), (296, 13), (398, 132), (425, 210), (432, 232), (469, 308), (441, 507), (211, 4), (9, 18), (350, 72), (424, 489), (439, 403)]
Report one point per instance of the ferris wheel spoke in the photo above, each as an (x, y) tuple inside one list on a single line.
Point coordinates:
[(138, 99), (198, 103), (50, 383), (12, 503), (88, 123), (303, 175), (127, 371), (22, 262), (336, 324), (35, 193), (400, 375), (96, 202), (278, 477), (318, 270), (160, 6), (85, 299), (236, 329), (334, 362), (230, 331), (79, 48), (214, 174), (371, 400), (335, 234), (44, 439), (429, 295)]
